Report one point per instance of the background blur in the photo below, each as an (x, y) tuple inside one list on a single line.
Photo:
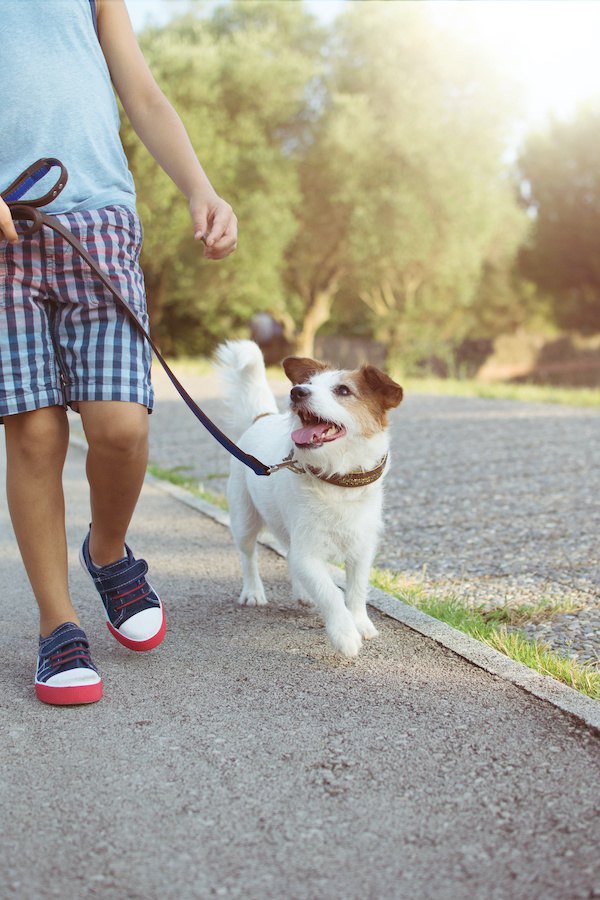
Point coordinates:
[(416, 182)]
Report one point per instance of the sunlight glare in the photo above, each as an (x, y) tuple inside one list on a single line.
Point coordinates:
[(550, 46)]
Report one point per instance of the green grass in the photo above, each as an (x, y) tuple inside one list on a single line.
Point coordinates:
[(491, 628), (175, 476), (530, 612), (528, 393)]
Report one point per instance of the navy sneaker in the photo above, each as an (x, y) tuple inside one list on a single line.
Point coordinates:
[(65, 671), (134, 612)]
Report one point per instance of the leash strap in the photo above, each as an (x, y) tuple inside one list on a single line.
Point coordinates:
[(30, 212)]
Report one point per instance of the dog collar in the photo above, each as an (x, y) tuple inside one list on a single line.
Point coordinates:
[(351, 479)]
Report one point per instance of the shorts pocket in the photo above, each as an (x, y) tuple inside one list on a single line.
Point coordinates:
[(114, 242)]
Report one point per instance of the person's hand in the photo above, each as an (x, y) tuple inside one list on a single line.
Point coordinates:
[(215, 224), (7, 226)]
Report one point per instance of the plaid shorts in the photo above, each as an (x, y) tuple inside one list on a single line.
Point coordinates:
[(63, 338)]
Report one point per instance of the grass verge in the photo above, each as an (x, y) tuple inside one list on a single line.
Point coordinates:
[(176, 476), (492, 628), (527, 393)]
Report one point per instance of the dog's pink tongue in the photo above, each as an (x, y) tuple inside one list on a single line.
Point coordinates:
[(310, 434)]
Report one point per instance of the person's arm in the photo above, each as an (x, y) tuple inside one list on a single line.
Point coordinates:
[(161, 130), (7, 227)]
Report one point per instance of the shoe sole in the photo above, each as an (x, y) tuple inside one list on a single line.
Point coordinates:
[(68, 696), (139, 646)]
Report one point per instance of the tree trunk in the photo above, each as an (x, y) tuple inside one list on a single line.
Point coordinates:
[(317, 313), (397, 334)]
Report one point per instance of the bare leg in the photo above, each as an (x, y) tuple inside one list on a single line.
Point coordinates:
[(117, 434), (36, 447)]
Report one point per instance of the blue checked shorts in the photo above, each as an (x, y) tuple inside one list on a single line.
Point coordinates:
[(63, 338)]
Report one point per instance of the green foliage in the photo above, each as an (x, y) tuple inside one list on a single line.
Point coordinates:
[(561, 184), (241, 103), (437, 202), (365, 163), (405, 195)]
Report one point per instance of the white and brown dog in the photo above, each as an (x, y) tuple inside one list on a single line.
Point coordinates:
[(328, 508)]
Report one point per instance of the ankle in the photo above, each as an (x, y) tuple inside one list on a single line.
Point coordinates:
[(50, 622), (107, 552), (106, 555)]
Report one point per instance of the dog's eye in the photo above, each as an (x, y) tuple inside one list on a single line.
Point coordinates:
[(342, 390)]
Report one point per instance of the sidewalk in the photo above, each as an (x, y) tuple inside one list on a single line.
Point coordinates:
[(242, 759)]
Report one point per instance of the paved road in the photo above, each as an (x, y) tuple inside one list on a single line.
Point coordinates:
[(242, 759), (493, 501)]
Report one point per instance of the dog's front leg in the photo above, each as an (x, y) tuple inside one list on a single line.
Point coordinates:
[(358, 569), (313, 574), (245, 526)]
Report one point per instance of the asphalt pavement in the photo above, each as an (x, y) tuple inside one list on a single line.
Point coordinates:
[(243, 759)]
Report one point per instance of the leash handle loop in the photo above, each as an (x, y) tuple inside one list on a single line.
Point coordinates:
[(29, 211), (30, 176)]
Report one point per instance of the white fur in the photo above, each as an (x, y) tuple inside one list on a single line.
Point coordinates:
[(316, 522)]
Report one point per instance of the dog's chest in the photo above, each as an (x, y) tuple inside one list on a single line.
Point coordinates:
[(329, 519), (334, 519)]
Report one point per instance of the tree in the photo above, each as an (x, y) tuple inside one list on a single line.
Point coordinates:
[(404, 192), (365, 165), (242, 101), (560, 173)]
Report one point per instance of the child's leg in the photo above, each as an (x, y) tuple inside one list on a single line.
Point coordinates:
[(36, 447), (117, 434)]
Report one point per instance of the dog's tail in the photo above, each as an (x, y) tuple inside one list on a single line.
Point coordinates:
[(241, 369)]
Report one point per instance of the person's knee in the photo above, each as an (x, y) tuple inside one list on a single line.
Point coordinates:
[(39, 438), (120, 436)]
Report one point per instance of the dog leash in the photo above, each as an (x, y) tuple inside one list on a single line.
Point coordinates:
[(30, 211)]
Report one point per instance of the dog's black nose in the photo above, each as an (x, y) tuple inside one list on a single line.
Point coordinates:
[(298, 393)]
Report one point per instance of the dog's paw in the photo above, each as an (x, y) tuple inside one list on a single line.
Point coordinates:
[(366, 628), (252, 597), (345, 638)]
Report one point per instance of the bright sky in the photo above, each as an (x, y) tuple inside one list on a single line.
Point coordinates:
[(550, 45)]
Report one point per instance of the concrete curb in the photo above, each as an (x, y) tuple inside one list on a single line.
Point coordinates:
[(570, 701)]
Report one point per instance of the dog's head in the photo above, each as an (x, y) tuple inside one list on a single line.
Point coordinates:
[(333, 404)]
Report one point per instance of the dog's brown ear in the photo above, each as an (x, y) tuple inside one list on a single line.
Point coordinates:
[(389, 393), (300, 369)]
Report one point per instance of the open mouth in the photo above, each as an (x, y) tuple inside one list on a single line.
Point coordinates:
[(315, 432)]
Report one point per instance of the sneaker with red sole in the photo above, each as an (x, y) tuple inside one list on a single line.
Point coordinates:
[(134, 612), (65, 672)]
